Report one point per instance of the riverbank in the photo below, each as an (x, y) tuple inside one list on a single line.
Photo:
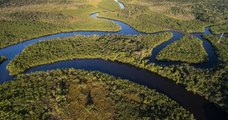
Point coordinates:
[(81, 94), (128, 50), (134, 50), (2, 59)]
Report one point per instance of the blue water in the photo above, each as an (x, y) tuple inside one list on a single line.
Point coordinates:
[(201, 108)]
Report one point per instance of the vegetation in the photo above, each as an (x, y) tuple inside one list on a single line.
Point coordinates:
[(145, 20), (25, 19), (212, 11), (7, 3), (2, 59), (113, 47), (189, 49), (134, 50), (219, 29), (109, 5), (210, 84), (183, 15), (51, 93), (220, 46), (76, 94), (22, 19)]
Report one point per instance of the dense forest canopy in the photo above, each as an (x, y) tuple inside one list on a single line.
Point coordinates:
[(69, 94)]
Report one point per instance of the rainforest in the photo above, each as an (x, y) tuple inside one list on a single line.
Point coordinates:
[(114, 59)]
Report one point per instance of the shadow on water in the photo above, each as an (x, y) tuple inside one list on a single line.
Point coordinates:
[(201, 108)]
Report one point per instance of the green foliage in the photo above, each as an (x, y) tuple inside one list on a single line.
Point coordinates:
[(177, 10), (219, 29), (46, 96), (109, 5), (76, 94), (189, 49), (220, 46), (9, 3), (212, 11), (210, 84), (143, 19), (134, 50), (183, 15), (36, 16), (107, 47), (14, 32), (39, 18), (2, 59)]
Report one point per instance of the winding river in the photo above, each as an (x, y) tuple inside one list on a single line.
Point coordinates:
[(201, 108)]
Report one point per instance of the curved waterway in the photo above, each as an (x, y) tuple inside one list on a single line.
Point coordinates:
[(212, 58), (201, 108)]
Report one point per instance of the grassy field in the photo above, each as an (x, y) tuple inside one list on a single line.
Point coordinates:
[(145, 20), (188, 49), (134, 50), (182, 15), (76, 94), (22, 20), (147, 17), (212, 11)]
